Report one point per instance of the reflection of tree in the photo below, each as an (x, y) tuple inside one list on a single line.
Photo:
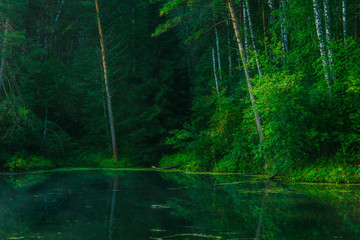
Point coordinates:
[(234, 204), (174, 204), (113, 202), (260, 224), (222, 206)]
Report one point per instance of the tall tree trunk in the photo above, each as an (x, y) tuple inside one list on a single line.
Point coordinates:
[(246, 37), (271, 4), (356, 23), (229, 47), (45, 122), (111, 120), (252, 37), (59, 12), (238, 61), (188, 53), (320, 35), (344, 6), (264, 28), (133, 21), (329, 39), (3, 58), (246, 68), (271, 23), (218, 53), (215, 76), (284, 35)]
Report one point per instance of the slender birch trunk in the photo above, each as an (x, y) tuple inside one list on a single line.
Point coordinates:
[(45, 122), (356, 23), (329, 39), (238, 61), (252, 37), (218, 53), (246, 69), (271, 4), (188, 53), (284, 35), (111, 120), (59, 12), (215, 76), (246, 37), (344, 19), (264, 28), (320, 35), (271, 21), (3, 58), (47, 42), (133, 31), (229, 47)]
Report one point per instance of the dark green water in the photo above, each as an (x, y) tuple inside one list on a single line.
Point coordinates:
[(138, 205)]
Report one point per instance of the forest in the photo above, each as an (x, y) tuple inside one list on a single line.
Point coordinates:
[(249, 86)]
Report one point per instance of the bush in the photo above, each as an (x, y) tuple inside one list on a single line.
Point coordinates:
[(187, 161), (21, 162)]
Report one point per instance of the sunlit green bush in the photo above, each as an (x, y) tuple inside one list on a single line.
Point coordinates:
[(20, 161)]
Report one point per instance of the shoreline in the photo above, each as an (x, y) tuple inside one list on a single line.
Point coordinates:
[(264, 177)]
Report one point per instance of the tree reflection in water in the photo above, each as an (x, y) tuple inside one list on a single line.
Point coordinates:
[(163, 205)]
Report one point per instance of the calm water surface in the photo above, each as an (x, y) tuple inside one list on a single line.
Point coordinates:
[(138, 205)]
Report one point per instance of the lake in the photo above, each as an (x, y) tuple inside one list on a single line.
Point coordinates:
[(138, 205)]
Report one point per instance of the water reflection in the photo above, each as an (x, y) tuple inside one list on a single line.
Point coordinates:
[(113, 203), (260, 224), (159, 205)]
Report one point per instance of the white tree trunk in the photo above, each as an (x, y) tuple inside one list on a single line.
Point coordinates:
[(252, 37), (344, 19), (229, 47), (47, 42), (284, 35), (271, 4), (3, 58), (215, 76), (329, 39), (246, 36), (246, 69), (320, 35), (218, 53), (264, 28), (59, 12)]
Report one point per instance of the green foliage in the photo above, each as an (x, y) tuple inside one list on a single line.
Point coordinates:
[(180, 137), (185, 161), (92, 157), (53, 102), (332, 173), (166, 26), (21, 161)]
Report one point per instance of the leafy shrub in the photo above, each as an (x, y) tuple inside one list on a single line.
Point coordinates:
[(20, 162), (184, 161), (92, 157)]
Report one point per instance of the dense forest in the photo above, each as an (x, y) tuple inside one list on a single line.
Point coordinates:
[(252, 86)]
